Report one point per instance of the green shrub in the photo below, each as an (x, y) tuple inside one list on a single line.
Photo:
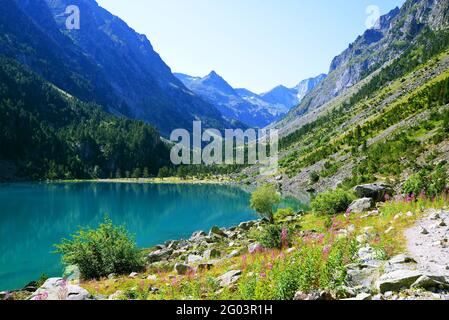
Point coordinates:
[(284, 212), (264, 199), (103, 251), (430, 183), (332, 202), (314, 177), (272, 236)]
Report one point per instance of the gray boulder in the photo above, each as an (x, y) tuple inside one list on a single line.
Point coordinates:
[(315, 296), (397, 280), (198, 235), (361, 205), (192, 258), (217, 232), (211, 254), (229, 278), (429, 282), (402, 259), (375, 191), (246, 225), (159, 255), (181, 268), (60, 289)]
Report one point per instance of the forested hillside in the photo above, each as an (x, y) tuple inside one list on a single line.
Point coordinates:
[(47, 134)]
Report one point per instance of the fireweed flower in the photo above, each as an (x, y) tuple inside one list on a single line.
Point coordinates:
[(41, 296), (326, 251), (63, 291), (348, 213), (284, 238), (244, 261)]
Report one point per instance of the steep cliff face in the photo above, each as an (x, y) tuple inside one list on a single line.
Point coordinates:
[(104, 61), (393, 33)]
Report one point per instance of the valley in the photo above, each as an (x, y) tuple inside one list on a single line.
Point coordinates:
[(357, 209)]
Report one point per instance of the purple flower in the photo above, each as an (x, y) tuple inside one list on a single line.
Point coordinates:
[(284, 238)]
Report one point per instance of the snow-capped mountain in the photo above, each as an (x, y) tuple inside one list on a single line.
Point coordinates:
[(248, 107)]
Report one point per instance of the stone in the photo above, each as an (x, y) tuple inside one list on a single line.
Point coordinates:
[(216, 231), (116, 295), (361, 205), (402, 259), (229, 278), (246, 225), (152, 277), (375, 191), (172, 244), (206, 265), (60, 289), (315, 295), (159, 255), (362, 297), (424, 231), (198, 235), (435, 216), (366, 254), (235, 253), (428, 282), (112, 276), (211, 254), (191, 259), (181, 268), (4, 295), (133, 275), (397, 280)]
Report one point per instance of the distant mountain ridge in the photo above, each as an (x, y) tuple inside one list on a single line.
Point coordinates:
[(243, 105), (105, 62), (397, 31)]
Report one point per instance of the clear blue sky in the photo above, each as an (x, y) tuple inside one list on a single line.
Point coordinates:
[(256, 44)]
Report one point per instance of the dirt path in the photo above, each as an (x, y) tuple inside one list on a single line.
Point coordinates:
[(428, 243)]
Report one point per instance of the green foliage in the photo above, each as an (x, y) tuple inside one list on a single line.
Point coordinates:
[(274, 236), (103, 251), (314, 267), (425, 181), (50, 135), (314, 177), (332, 202), (264, 199), (284, 212)]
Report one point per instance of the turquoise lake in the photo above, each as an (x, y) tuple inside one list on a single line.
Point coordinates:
[(33, 217)]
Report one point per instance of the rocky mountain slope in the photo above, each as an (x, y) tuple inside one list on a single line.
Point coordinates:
[(392, 123), (243, 105), (393, 35), (291, 97), (105, 61)]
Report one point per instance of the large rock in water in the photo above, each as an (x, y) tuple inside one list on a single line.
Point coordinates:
[(60, 289), (375, 191), (397, 280), (361, 205)]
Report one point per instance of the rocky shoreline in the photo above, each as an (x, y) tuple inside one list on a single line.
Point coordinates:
[(419, 273)]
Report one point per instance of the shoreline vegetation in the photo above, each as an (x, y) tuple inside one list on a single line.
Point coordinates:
[(168, 180), (359, 254)]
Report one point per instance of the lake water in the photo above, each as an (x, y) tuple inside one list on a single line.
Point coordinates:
[(33, 217)]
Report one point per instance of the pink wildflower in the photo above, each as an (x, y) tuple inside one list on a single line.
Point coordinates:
[(284, 238), (41, 296)]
